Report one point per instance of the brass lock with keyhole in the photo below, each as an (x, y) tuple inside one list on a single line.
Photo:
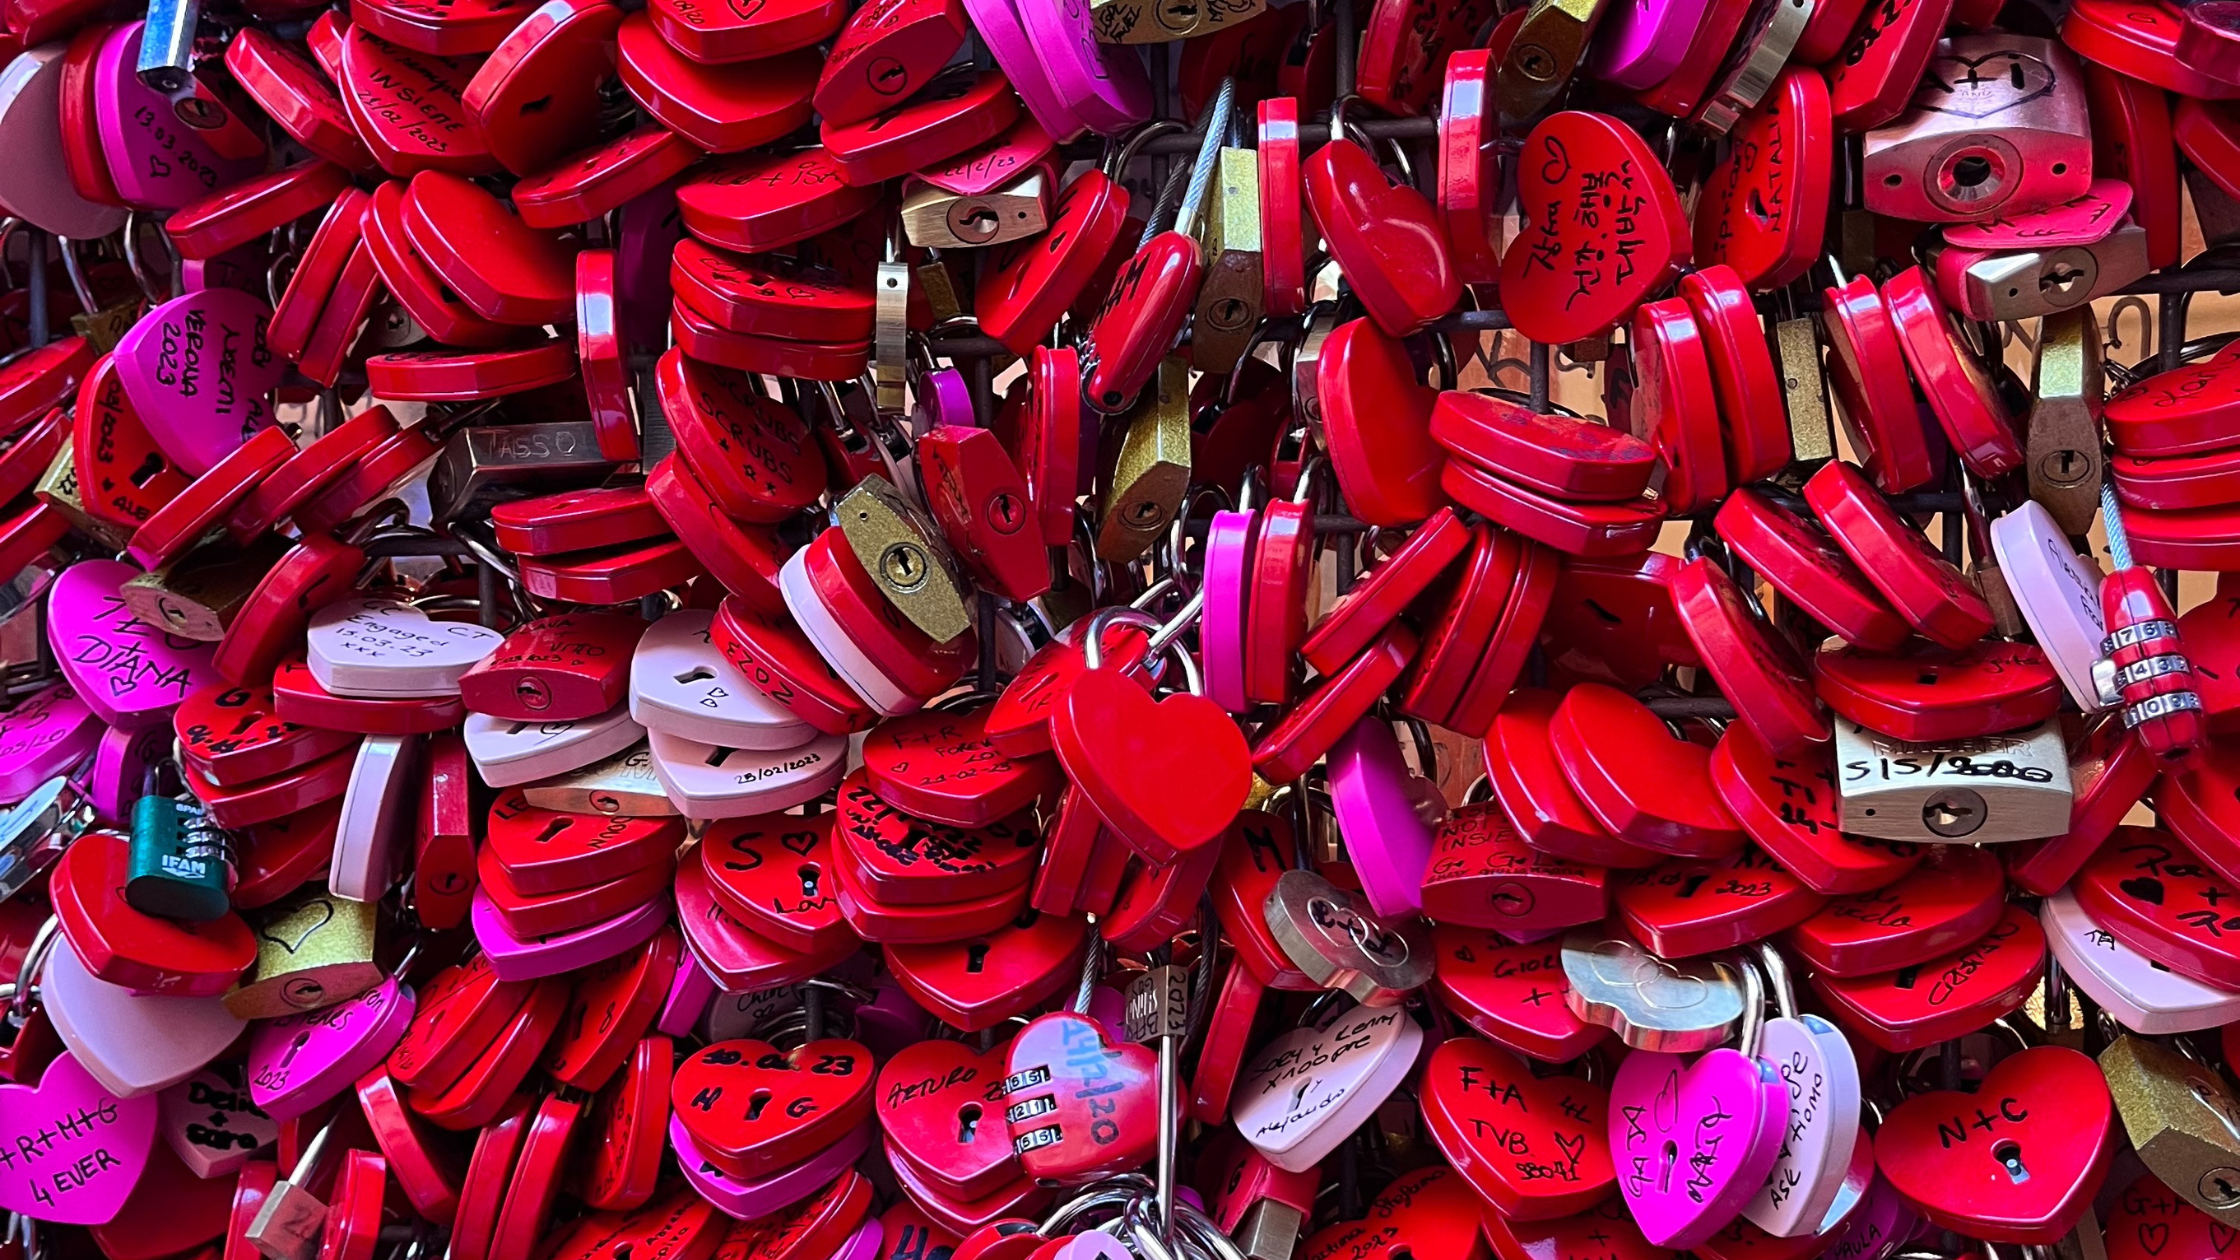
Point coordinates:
[(197, 595), (1229, 298), (1989, 790), (621, 786), (2063, 460), (2182, 1119), (1543, 55), (313, 951), (936, 218), (58, 488), (1151, 472), (1164, 21), (2027, 283), (907, 558), (1804, 387)]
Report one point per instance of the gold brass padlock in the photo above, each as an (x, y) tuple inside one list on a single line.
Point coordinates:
[(2063, 459), (58, 488), (940, 286), (2027, 283), (623, 785), (1164, 21), (907, 557), (1804, 387), (1990, 790), (197, 595), (313, 951), (2183, 1121), (1229, 297), (1151, 472), (1543, 55), (106, 327), (936, 218)]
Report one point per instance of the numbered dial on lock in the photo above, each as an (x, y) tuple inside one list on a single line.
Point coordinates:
[(1976, 791)]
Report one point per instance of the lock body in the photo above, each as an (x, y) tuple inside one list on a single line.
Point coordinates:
[(1988, 790), (1998, 127), (2182, 1119), (182, 863)]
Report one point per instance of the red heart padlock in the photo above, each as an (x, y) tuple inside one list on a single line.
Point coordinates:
[(2150, 1221), (1685, 908), (575, 520), (1077, 1106), (886, 51), (141, 952), (1765, 206), (1752, 663), (733, 955), (1867, 368), (979, 983), (938, 1103), (1949, 994), (232, 736), (720, 108), (979, 499), (1574, 272), (753, 1109), (904, 860), (477, 1097), (2019, 1160), (1482, 874), (1535, 1147), (1640, 781), (938, 123), (1511, 994), (1386, 237), (773, 873), (1928, 696), (625, 1163), (941, 766), (1945, 903), (555, 669), (614, 1005), (1031, 281), (2158, 897), (1376, 426), (460, 1014), (1798, 558), (1167, 775), (1531, 785)]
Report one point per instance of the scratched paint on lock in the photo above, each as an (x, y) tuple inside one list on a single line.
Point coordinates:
[(71, 1151)]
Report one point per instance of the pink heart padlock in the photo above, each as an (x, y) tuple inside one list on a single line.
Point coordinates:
[(297, 1062), (131, 673), (156, 162), (746, 1200), (71, 1151), (46, 734), (1693, 1141), (516, 958), (1387, 839), (201, 364)]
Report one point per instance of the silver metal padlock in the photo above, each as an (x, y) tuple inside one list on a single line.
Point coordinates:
[(166, 61), (1329, 934), (1997, 127), (1270, 1231), (2028, 283), (35, 830), (1652, 1004), (289, 1224), (482, 462), (936, 218), (1989, 790)]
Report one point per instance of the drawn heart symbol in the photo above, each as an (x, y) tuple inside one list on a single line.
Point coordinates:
[(1385, 235), (1693, 1141), (1980, 87), (200, 363), (2148, 1218), (211, 1124), (753, 1109), (1535, 1147), (2158, 897), (1307, 1090), (75, 1149), (2017, 1161), (981, 982), (941, 1105), (297, 1062), (378, 647), (1166, 775), (325, 916), (1578, 268), (129, 672), (1079, 1107)]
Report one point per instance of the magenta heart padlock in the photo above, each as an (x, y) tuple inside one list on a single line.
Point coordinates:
[(1388, 840), (71, 1151), (43, 736), (199, 368), (156, 161), (297, 1062), (129, 672)]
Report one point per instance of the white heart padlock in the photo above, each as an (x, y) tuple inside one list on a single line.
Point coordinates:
[(1814, 1060), (2058, 592), (509, 752), (132, 1044), (825, 634), (377, 814), (34, 183), (2138, 993), (381, 648), (1313, 1086), (709, 781), (680, 684)]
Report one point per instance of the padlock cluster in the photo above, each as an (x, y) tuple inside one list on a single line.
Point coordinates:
[(1118, 630)]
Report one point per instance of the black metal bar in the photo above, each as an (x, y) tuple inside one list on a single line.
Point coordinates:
[(1537, 376), (963, 344), (1716, 708), (35, 288), (1343, 36), (1313, 136)]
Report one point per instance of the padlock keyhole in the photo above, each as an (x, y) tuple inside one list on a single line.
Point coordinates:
[(716, 755), (976, 958), (1664, 1167), (756, 1103), (810, 878), (1971, 171), (2009, 1155), (148, 469), (698, 673), (552, 830), (968, 1123)]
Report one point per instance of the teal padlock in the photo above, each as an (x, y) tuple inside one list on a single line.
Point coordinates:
[(182, 863)]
